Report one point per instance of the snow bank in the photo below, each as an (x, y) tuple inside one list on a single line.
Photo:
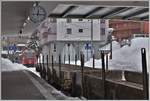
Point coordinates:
[(7, 65), (90, 63), (115, 46), (73, 62), (129, 57), (125, 58)]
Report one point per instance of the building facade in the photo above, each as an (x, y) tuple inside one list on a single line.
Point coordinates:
[(126, 29), (70, 37)]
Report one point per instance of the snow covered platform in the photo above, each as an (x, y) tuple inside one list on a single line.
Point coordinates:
[(24, 84)]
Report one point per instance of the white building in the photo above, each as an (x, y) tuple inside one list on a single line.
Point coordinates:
[(79, 29), (71, 36)]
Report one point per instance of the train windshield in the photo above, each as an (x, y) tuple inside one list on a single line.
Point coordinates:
[(29, 54)]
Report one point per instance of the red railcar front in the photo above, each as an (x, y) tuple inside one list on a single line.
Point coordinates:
[(28, 58)]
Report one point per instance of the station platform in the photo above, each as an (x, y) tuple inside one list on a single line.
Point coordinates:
[(25, 85)]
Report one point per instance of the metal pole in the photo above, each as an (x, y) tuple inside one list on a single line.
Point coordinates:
[(75, 59), (47, 61), (60, 69), (47, 72), (64, 58), (87, 51), (69, 58), (37, 65), (111, 48), (43, 68), (87, 54), (93, 61), (52, 67), (40, 63), (106, 61), (145, 76), (82, 70), (41, 71), (91, 36), (103, 73), (69, 53)]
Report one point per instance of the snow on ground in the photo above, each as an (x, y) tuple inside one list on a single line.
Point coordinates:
[(73, 62), (115, 46), (7, 65), (33, 69), (129, 57), (125, 58)]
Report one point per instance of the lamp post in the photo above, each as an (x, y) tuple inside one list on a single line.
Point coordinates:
[(92, 36), (110, 30), (68, 52)]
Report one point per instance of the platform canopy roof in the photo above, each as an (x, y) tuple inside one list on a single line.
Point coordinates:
[(125, 10), (15, 13)]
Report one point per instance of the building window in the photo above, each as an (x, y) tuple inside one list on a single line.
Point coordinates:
[(69, 30), (102, 31), (80, 19), (68, 20), (53, 20), (81, 30)]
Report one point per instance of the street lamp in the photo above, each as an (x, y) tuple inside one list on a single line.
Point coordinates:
[(110, 30)]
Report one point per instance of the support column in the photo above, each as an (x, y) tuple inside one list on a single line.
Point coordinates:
[(145, 76)]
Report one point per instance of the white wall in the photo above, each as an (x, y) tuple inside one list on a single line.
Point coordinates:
[(75, 25), (62, 26), (106, 26), (58, 31), (96, 29)]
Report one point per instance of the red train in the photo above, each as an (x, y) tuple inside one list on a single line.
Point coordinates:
[(28, 58)]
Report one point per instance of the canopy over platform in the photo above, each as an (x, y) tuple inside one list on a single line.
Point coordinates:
[(126, 10)]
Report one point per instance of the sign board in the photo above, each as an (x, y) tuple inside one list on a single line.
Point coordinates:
[(88, 46), (12, 48)]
